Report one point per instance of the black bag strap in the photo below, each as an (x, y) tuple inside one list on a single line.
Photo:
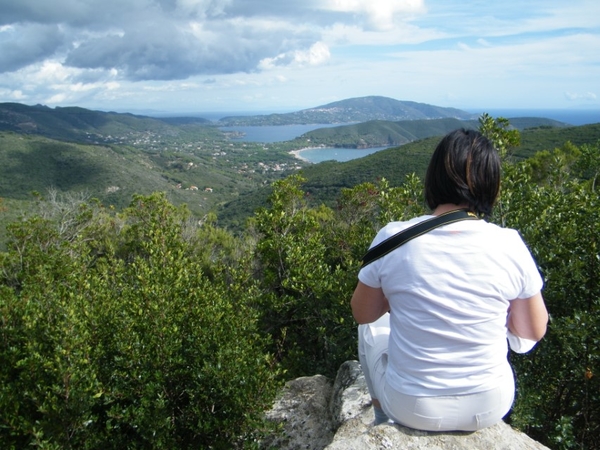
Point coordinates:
[(395, 241)]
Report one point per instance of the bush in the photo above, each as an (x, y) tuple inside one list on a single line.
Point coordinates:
[(126, 345), (559, 217), (307, 265)]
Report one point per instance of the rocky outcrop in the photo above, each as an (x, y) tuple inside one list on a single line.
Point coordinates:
[(316, 414)]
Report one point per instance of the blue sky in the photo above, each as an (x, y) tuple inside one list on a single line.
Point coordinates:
[(185, 56)]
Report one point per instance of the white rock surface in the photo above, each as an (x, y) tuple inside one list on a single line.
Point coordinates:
[(317, 414)]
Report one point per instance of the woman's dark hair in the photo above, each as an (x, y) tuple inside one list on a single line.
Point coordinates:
[(464, 168)]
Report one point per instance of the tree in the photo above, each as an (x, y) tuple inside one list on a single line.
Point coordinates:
[(304, 289), (499, 132), (128, 347), (558, 215)]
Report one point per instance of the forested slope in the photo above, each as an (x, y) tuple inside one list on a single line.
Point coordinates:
[(325, 180), (380, 133)]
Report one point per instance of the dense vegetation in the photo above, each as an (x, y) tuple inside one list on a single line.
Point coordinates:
[(326, 180), (201, 172), (145, 328), (385, 133)]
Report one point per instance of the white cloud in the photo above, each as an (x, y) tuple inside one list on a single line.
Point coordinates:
[(379, 14), (576, 96), (56, 99), (12, 95), (314, 56), (309, 52), (54, 72)]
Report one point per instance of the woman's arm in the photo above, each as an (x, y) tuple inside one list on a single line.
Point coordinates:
[(368, 304), (528, 317)]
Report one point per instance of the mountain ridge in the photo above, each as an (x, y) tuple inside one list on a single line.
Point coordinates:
[(385, 116), (78, 124), (353, 110)]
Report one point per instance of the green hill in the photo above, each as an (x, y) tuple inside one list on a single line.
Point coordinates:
[(111, 173), (84, 125), (325, 180), (379, 133)]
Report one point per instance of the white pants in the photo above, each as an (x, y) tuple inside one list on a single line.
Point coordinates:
[(468, 412)]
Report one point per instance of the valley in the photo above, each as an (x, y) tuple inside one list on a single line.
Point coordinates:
[(111, 156)]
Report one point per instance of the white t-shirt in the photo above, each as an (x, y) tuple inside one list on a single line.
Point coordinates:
[(449, 291)]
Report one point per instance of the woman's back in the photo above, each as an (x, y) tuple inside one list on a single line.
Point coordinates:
[(449, 292), (438, 361)]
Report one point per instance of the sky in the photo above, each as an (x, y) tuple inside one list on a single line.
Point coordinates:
[(186, 56)]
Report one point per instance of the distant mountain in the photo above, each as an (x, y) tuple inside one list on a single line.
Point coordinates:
[(375, 121), (353, 110), (84, 125)]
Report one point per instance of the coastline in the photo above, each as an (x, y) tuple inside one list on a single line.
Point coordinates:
[(340, 154), (298, 154)]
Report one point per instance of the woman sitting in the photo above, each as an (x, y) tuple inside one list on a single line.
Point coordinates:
[(435, 312)]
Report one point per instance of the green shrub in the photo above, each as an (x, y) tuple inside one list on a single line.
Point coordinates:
[(307, 265), (128, 345), (304, 291), (559, 217)]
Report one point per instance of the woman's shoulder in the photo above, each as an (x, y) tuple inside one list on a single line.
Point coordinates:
[(491, 227), (477, 226), (392, 228)]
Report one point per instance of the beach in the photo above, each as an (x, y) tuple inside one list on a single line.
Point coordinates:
[(298, 153)]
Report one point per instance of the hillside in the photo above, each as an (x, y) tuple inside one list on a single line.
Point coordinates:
[(110, 173), (379, 133), (113, 174), (110, 156), (353, 110), (326, 180), (84, 125)]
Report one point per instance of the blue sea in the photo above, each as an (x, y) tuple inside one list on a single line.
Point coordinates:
[(570, 116), (270, 134), (317, 155)]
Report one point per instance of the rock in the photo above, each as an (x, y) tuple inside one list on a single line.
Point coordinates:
[(392, 436), (318, 414), (303, 410), (350, 397)]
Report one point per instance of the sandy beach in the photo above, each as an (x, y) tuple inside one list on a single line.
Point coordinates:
[(298, 153)]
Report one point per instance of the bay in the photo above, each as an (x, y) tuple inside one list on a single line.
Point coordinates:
[(281, 133), (317, 155)]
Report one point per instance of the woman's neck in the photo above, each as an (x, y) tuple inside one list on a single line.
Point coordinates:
[(446, 207)]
